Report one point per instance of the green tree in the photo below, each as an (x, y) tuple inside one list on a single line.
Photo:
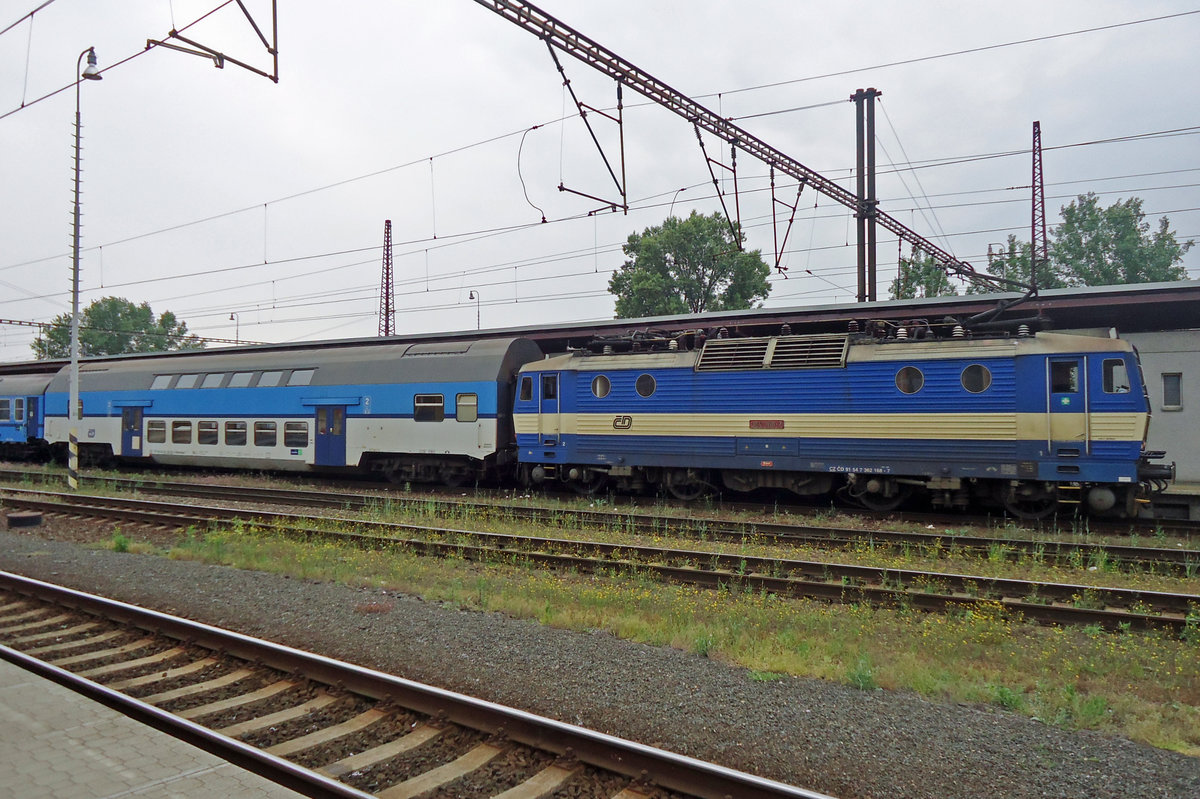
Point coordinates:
[(920, 275), (688, 266), (113, 326), (1097, 246), (1012, 262)]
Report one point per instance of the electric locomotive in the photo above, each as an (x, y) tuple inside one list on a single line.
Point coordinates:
[(1025, 421)]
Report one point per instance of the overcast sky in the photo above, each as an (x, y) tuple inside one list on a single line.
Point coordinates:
[(216, 192)]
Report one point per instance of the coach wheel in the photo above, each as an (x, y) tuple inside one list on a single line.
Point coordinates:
[(882, 501), (1031, 501), (590, 483), (684, 484)]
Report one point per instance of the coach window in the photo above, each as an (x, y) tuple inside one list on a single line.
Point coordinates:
[(156, 431), (301, 377), (264, 434), (1116, 379), (186, 381), (213, 381), (206, 432), (645, 385), (161, 382), (267, 379), (5, 410), (526, 389), (295, 434), (1172, 391), (428, 408), (976, 378), (910, 380), (235, 434), (466, 407), (181, 432), (600, 386), (19, 409), (240, 379)]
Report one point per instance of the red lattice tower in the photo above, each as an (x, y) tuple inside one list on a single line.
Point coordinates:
[(387, 309)]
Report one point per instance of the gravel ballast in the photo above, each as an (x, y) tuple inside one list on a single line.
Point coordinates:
[(810, 733)]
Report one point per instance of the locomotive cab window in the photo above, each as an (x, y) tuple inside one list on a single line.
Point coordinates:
[(161, 382), (526, 389), (466, 407), (910, 380), (1064, 377), (1116, 378), (429, 408), (600, 386), (976, 378), (645, 385), (549, 387), (156, 431)]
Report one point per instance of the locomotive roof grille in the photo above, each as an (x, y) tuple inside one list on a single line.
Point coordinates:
[(819, 351)]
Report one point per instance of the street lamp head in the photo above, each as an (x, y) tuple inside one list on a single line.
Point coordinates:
[(91, 71), (471, 295)]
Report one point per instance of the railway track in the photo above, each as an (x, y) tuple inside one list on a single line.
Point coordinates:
[(326, 728), (1181, 560), (1056, 603)]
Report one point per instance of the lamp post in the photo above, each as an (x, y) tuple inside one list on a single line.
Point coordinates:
[(237, 321), (474, 295), (92, 72)]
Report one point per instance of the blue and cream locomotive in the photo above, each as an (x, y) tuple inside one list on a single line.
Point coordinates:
[(1026, 421)]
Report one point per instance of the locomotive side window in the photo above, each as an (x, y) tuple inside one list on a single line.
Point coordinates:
[(549, 387), (264, 434), (429, 408), (301, 377), (1116, 379), (910, 380), (186, 381), (466, 407), (235, 434), (206, 432), (269, 379), (295, 434), (976, 378), (1064, 377), (526, 389), (645, 385), (1172, 391), (156, 432), (600, 386), (240, 379), (181, 432), (213, 380), (160, 382)]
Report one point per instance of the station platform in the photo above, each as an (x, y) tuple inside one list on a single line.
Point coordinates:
[(57, 744)]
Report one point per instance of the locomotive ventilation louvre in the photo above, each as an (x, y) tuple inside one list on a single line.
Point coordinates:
[(782, 352)]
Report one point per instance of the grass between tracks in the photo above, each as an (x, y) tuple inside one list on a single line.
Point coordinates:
[(1144, 685)]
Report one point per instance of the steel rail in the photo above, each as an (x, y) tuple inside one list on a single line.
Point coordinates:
[(1044, 602), (668, 770)]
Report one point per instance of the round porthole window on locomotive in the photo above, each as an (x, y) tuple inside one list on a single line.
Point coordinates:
[(645, 385), (600, 386), (910, 380), (976, 378)]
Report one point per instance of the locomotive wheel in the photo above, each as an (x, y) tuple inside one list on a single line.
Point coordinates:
[(590, 485), (882, 503), (451, 477), (684, 484), (1031, 502)]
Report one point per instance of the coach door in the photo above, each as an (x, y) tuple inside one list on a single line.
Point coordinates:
[(131, 432), (549, 420), (1067, 420), (331, 435)]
